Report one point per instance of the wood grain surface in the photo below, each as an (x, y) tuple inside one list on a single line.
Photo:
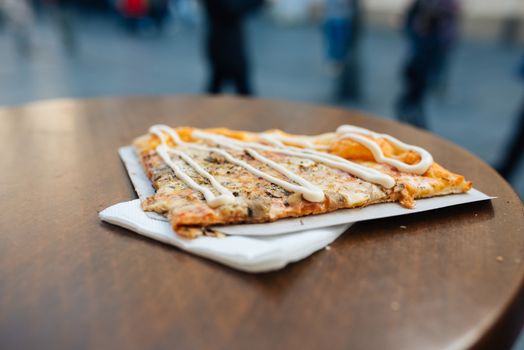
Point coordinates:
[(452, 279)]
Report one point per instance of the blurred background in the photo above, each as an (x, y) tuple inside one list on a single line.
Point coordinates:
[(454, 67)]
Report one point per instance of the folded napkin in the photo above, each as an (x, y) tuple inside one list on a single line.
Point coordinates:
[(250, 254)]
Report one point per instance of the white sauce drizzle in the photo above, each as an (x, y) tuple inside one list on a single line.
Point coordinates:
[(355, 133), (276, 140), (163, 151), (305, 188), (309, 191), (331, 160)]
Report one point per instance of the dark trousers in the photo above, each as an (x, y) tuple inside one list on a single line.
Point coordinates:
[(421, 72), (410, 105), (238, 78), (513, 153)]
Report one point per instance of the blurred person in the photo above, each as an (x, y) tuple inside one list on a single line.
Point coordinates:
[(513, 154), (19, 19), (431, 27), (225, 44), (511, 22), (62, 15), (342, 28), (38, 7), (158, 11), (132, 11)]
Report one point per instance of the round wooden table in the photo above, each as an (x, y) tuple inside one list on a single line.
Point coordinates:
[(452, 279)]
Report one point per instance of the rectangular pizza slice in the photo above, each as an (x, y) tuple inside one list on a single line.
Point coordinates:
[(207, 177)]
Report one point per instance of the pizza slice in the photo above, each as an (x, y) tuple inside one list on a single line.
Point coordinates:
[(206, 177)]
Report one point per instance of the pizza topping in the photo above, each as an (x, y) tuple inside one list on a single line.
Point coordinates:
[(164, 152), (355, 169), (301, 148), (309, 191), (359, 135)]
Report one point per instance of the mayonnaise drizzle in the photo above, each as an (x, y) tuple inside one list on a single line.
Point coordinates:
[(355, 133), (277, 139), (309, 191), (163, 151), (331, 160)]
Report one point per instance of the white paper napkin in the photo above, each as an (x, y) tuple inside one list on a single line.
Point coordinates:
[(250, 254)]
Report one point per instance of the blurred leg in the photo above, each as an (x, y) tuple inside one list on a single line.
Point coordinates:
[(411, 110), (410, 105), (242, 84), (22, 41), (513, 153), (131, 25), (215, 81), (348, 84), (63, 18)]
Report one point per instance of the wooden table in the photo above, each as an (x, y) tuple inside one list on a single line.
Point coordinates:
[(452, 279)]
